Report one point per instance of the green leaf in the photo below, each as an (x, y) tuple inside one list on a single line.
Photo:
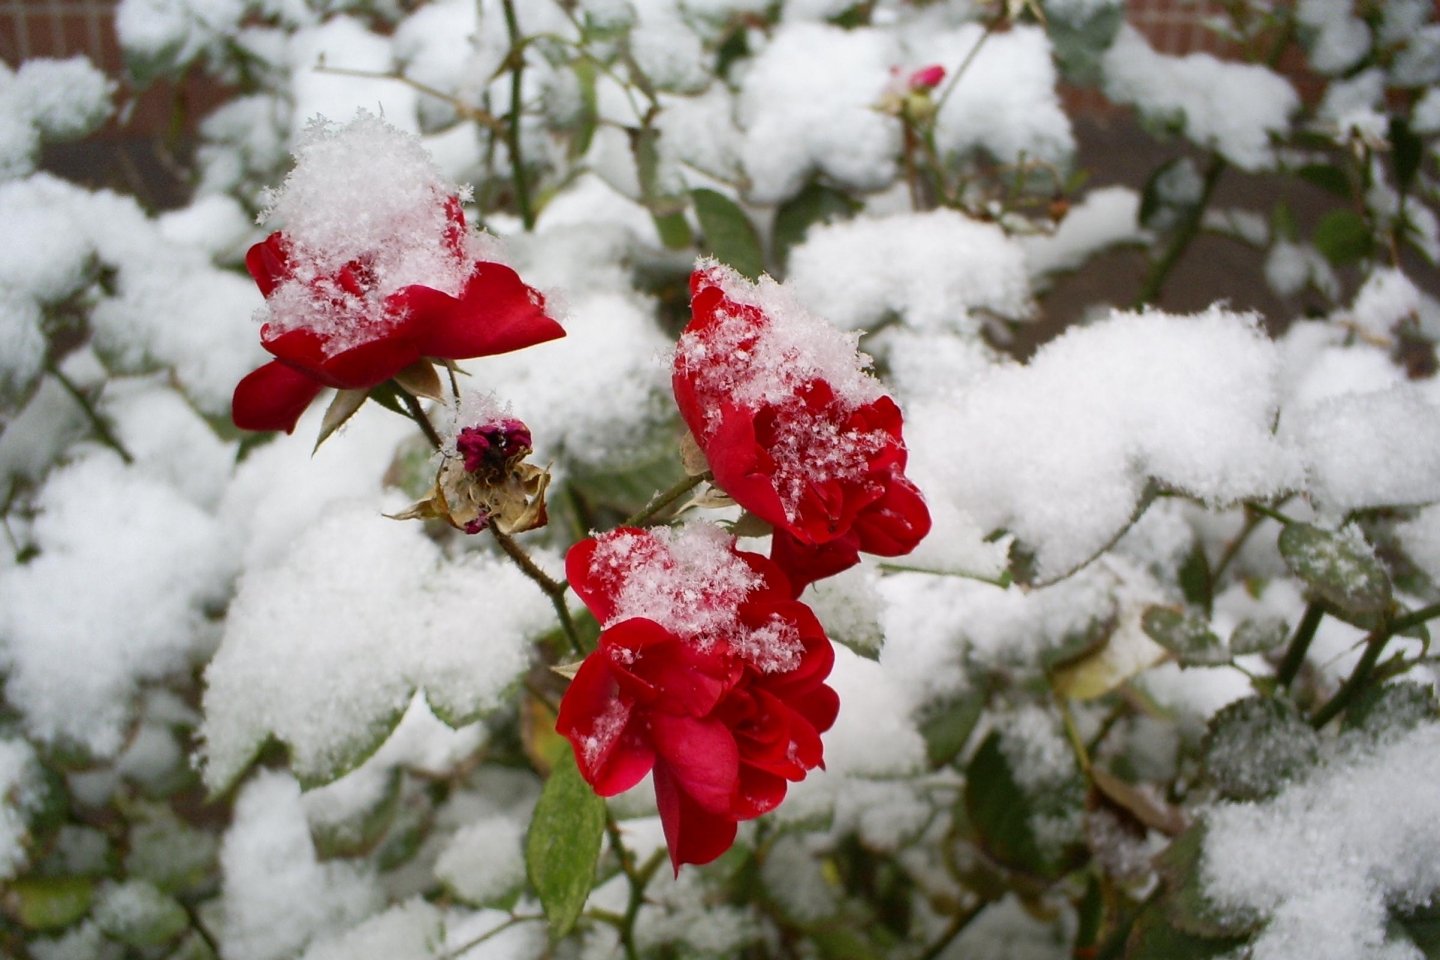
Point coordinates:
[(564, 843), (1339, 569), (1343, 237), (1255, 746), (1326, 177), (1002, 813), (1188, 637), (816, 203), (1421, 926), (729, 235), (1153, 938), (1080, 45), (49, 903), (1194, 577), (674, 230), (1387, 708), (1407, 151), (589, 114), (138, 915), (1258, 635), (946, 728), (645, 144)]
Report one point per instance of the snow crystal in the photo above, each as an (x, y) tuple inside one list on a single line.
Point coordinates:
[(76, 657), (277, 895), (938, 267), (689, 581), (1371, 808), (214, 223), (807, 105), (666, 50), (20, 785), (409, 931), (55, 258), (22, 345), (485, 861), (1005, 103), (849, 605), (1057, 451), (1290, 267), (372, 596), (1103, 218), (1230, 107)]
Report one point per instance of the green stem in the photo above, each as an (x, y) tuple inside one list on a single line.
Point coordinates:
[(97, 422), (1299, 645), (1270, 512), (662, 500), (1003, 581), (1253, 519), (552, 588), (1187, 231), (417, 413), (1374, 646), (512, 133), (638, 878), (957, 926)]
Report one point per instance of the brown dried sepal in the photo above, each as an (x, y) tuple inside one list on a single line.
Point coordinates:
[(511, 499)]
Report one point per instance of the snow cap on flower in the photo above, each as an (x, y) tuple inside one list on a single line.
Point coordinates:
[(366, 196), (793, 427), (374, 276)]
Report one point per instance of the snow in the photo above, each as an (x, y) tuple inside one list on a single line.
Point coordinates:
[(76, 658), (484, 862), (277, 895), (1057, 451), (323, 648), (946, 272), (807, 106), (1104, 217), (1228, 107), (1280, 857)]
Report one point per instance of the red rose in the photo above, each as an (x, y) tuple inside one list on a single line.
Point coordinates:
[(793, 428), (362, 337), (708, 675)]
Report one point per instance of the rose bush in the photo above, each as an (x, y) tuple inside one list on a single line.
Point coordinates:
[(793, 428), (708, 676)]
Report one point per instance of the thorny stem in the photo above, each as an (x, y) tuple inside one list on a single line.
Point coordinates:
[(97, 422), (417, 413), (662, 500), (512, 132), (1299, 645), (551, 587), (1189, 228), (1374, 646)]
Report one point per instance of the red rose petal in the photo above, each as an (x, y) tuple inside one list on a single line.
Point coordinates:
[(693, 834), (701, 755), (272, 397)]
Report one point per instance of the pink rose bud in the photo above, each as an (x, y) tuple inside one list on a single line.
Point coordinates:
[(927, 78)]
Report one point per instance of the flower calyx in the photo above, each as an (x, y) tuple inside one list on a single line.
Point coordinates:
[(485, 481)]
